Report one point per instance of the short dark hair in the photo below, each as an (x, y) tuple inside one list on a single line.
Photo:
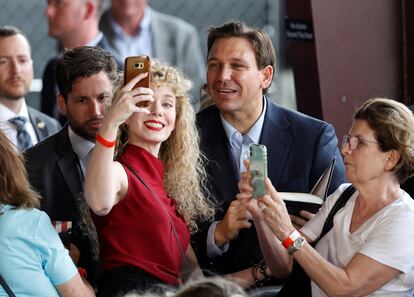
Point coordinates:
[(81, 62), (259, 39), (7, 31)]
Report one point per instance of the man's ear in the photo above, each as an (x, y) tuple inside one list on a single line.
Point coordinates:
[(90, 11), (392, 159), (267, 73), (61, 104)]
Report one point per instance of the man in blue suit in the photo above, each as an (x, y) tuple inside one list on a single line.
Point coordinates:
[(299, 148)]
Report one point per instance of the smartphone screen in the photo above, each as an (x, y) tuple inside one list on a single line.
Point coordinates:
[(134, 66), (258, 168)]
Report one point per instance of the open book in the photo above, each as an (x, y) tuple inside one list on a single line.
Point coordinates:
[(311, 202)]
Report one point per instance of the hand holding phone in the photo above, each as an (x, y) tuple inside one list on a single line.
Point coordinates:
[(134, 66), (258, 169)]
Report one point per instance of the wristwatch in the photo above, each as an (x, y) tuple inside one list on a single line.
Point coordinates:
[(296, 245)]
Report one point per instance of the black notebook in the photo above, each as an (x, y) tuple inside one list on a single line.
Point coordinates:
[(295, 202)]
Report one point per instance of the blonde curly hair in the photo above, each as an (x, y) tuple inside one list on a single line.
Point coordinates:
[(185, 175)]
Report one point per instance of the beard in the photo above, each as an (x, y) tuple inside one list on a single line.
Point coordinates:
[(13, 94), (82, 129)]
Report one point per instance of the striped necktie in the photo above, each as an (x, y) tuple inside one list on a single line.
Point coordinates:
[(23, 138)]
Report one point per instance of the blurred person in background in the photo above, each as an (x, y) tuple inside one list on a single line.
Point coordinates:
[(23, 125), (72, 23), (134, 28), (205, 287)]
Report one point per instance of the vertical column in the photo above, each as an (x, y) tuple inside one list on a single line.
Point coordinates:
[(357, 53)]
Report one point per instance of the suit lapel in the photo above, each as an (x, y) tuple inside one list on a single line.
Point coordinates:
[(277, 137), (69, 164), (104, 44), (38, 125), (227, 176), (163, 44), (222, 164)]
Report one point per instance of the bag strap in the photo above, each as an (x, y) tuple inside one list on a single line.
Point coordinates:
[(167, 214), (342, 200), (6, 287)]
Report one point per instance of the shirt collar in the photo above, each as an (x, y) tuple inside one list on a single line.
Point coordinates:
[(146, 20), (96, 40), (80, 145), (143, 26), (253, 133), (7, 114)]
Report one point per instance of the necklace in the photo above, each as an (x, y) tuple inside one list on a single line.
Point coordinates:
[(358, 218)]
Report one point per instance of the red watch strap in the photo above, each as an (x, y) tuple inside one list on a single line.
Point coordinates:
[(291, 238)]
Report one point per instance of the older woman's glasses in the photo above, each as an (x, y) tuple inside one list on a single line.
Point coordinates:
[(354, 141)]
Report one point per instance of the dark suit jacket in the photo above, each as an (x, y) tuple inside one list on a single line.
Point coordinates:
[(299, 148), (43, 125), (54, 170), (50, 88)]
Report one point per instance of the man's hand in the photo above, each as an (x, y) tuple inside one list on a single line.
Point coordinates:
[(236, 218), (300, 221)]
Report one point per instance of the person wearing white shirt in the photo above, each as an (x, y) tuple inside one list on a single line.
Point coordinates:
[(368, 248), (16, 74)]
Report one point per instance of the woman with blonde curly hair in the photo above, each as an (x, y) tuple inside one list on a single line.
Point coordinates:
[(148, 200)]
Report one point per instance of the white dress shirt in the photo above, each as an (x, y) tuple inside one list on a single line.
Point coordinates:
[(239, 147), (82, 148), (9, 129)]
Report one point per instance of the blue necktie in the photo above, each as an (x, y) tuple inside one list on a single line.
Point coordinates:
[(23, 138), (240, 144)]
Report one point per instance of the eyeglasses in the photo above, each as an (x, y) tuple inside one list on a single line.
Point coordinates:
[(354, 141)]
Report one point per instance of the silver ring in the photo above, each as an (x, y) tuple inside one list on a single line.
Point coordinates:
[(262, 208)]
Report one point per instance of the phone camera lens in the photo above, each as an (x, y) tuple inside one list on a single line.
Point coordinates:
[(136, 65)]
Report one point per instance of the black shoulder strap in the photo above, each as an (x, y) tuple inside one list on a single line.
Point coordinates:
[(6, 287), (342, 200)]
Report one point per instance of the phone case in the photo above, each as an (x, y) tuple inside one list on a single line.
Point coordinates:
[(134, 66), (258, 168)]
